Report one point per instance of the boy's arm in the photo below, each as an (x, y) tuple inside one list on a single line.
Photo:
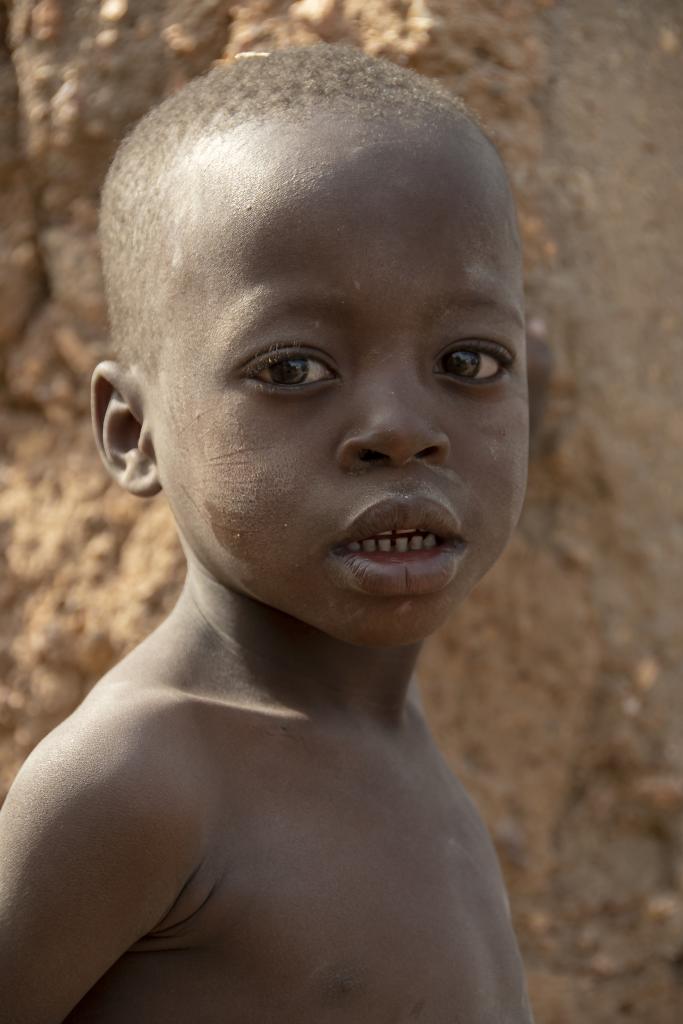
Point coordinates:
[(95, 845)]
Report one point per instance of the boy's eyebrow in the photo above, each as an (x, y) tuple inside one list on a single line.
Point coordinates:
[(258, 302), (257, 305), (477, 302), (256, 308), (482, 291)]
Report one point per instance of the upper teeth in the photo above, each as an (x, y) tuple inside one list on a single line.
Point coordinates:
[(403, 540)]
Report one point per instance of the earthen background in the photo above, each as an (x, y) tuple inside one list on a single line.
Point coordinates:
[(556, 690)]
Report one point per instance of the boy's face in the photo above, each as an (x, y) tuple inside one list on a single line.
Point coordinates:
[(345, 339)]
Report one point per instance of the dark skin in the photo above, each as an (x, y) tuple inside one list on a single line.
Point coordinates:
[(247, 819)]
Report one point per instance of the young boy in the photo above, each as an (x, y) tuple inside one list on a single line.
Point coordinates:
[(315, 287)]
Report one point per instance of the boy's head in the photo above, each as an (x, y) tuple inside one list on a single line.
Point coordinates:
[(314, 280)]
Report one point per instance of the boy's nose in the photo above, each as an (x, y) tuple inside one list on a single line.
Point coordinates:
[(393, 441)]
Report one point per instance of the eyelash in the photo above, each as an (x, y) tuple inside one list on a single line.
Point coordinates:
[(487, 348), (281, 352), (278, 353)]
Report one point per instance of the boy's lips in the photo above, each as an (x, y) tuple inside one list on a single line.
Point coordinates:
[(400, 546)]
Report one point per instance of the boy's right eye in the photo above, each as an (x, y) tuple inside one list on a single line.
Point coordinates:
[(290, 371)]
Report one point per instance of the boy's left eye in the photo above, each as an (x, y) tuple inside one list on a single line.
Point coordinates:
[(288, 371), (471, 364)]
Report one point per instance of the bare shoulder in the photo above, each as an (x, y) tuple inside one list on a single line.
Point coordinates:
[(104, 788), (98, 836), (121, 741)]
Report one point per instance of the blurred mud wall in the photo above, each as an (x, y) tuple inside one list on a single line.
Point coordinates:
[(556, 691)]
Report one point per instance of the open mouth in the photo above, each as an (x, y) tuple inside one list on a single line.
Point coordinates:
[(403, 545), (396, 542)]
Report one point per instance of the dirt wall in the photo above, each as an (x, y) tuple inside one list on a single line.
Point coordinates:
[(556, 690)]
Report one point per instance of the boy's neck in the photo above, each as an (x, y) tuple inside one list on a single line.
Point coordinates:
[(265, 658)]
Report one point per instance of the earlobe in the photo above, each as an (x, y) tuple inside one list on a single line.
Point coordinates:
[(122, 437)]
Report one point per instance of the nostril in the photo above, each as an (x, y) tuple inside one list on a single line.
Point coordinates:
[(427, 453), (368, 455)]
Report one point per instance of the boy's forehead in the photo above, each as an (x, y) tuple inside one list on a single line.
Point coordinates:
[(229, 187)]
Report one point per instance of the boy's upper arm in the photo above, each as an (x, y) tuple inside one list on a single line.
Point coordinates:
[(96, 842)]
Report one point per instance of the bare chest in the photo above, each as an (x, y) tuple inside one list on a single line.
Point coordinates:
[(337, 886), (360, 896)]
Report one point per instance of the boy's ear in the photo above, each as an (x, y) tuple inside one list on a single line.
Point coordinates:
[(122, 436)]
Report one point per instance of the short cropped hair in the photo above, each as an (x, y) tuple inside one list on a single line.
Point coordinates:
[(295, 81)]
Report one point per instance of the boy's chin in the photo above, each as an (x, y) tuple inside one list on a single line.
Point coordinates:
[(401, 623)]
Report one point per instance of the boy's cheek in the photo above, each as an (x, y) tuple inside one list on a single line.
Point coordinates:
[(490, 523), (245, 510), (497, 478), (245, 504)]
